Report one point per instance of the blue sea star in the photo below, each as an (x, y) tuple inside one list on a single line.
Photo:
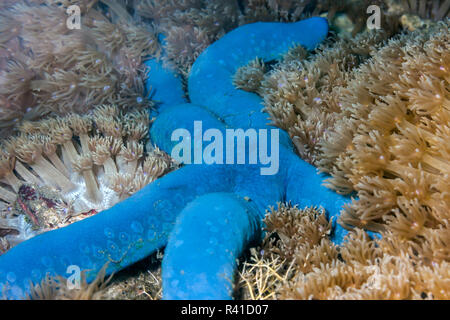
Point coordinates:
[(206, 214)]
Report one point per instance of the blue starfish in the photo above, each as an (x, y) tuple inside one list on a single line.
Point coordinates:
[(206, 214)]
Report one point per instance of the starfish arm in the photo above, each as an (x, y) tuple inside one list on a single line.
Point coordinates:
[(210, 79), (120, 236), (214, 230), (223, 106), (163, 84)]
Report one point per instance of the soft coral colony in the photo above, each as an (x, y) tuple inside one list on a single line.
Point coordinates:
[(375, 115), (61, 169), (46, 67)]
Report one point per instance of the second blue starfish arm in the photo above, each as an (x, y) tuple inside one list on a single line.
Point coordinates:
[(210, 235), (210, 79)]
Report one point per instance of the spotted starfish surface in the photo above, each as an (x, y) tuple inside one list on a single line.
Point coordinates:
[(206, 214)]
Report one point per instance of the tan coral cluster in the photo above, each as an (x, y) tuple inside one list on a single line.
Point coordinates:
[(250, 76), (58, 170), (375, 115), (298, 261), (189, 26), (390, 143), (301, 93), (47, 67), (387, 119)]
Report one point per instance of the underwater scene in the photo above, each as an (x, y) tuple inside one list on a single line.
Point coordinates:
[(225, 149)]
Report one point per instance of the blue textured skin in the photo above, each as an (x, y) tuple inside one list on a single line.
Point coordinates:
[(216, 228), (211, 212)]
